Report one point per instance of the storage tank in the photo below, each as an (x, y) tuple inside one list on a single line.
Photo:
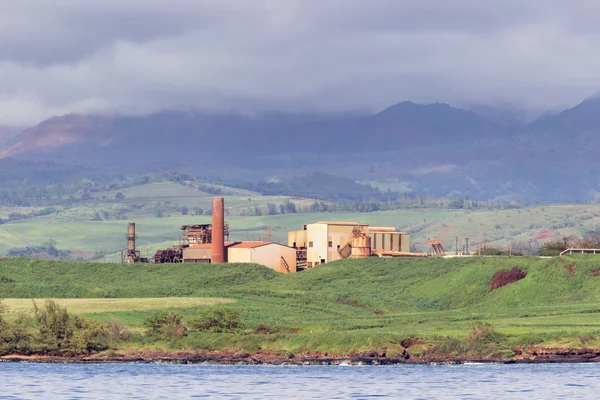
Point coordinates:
[(361, 246)]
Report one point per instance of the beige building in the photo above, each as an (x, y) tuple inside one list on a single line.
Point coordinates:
[(321, 242), (272, 255)]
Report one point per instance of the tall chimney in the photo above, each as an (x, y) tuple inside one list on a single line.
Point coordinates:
[(131, 237), (218, 231)]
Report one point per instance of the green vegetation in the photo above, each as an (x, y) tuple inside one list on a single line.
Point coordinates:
[(50, 330), (446, 305), (104, 305), (93, 230)]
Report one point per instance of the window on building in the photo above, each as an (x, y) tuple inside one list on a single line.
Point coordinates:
[(322, 261), (309, 265), (310, 244), (330, 244)]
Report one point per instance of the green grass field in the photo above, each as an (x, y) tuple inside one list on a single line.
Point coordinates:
[(94, 228), (342, 307)]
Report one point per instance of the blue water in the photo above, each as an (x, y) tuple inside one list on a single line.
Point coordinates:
[(149, 381)]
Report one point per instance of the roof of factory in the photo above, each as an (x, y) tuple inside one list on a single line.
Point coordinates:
[(341, 223), (234, 245)]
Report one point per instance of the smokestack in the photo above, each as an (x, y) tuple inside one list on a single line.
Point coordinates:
[(218, 231), (131, 237)]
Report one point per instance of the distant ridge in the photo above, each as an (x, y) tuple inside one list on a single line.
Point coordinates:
[(117, 139), (429, 149)]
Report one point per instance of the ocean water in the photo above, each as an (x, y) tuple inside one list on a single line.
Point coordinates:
[(163, 381)]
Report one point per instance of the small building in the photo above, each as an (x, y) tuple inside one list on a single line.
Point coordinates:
[(272, 255)]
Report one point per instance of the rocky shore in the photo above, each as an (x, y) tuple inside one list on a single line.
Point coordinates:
[(532, 355)]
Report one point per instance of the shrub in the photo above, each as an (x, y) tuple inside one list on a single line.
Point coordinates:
[(165, 325), (218, 319), (117, 332), (60, 334), (482, 333), (265, 329), (586, 338), (89, 335)]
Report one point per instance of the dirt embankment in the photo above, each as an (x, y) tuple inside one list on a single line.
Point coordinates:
[(503, 278), (530, 355)]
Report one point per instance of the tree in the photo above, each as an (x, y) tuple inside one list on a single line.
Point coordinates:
[(165, 324), (290, 208), (119, 196), (271, 209), (184, 210), (554, 247)]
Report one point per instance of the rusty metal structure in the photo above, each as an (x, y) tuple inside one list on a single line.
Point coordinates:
[(359, 246), (167, 256), (192, 235), (435, 248), (131, 255)]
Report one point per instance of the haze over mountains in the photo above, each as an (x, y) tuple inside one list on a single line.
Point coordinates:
[(435, 149)]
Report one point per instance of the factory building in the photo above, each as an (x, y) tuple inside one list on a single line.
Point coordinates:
[(272, 255), (328, 241), (313, 245)]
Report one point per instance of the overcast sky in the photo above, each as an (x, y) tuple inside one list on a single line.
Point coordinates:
[(138, 56)]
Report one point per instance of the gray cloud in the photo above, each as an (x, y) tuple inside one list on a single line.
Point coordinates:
[(138, 56)]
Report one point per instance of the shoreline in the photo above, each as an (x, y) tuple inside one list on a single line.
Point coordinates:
[(534, 356)]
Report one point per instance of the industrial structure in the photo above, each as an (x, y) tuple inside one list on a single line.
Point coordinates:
[(327, 241), (209, 243), (313, 245), (131, 255)]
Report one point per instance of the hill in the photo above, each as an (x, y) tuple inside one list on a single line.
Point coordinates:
[(129, 140), (349, 306), (432, 150)]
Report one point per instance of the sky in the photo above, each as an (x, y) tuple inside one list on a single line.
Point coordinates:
[(250, 56)]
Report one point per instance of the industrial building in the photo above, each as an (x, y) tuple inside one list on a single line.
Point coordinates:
[(210, 243), (272, 255), (313, 245), (328, 241)]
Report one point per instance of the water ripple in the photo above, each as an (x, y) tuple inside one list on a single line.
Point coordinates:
[(147, 381)]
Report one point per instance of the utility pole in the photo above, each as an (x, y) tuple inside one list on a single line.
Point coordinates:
[(269, 234), (456, 248), (480, 240), (510, 248), (467, 243)]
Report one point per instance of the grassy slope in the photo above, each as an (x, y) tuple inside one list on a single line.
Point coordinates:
[(344, 306)]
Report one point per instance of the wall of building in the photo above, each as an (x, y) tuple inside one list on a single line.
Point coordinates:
[(297, 238), (390, 241), (239, 255), (405, 248), (270, 256), (316, 246), (337, 236), (191, 253)]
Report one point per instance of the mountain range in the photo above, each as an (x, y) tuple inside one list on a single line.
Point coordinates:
[(433, 149)]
